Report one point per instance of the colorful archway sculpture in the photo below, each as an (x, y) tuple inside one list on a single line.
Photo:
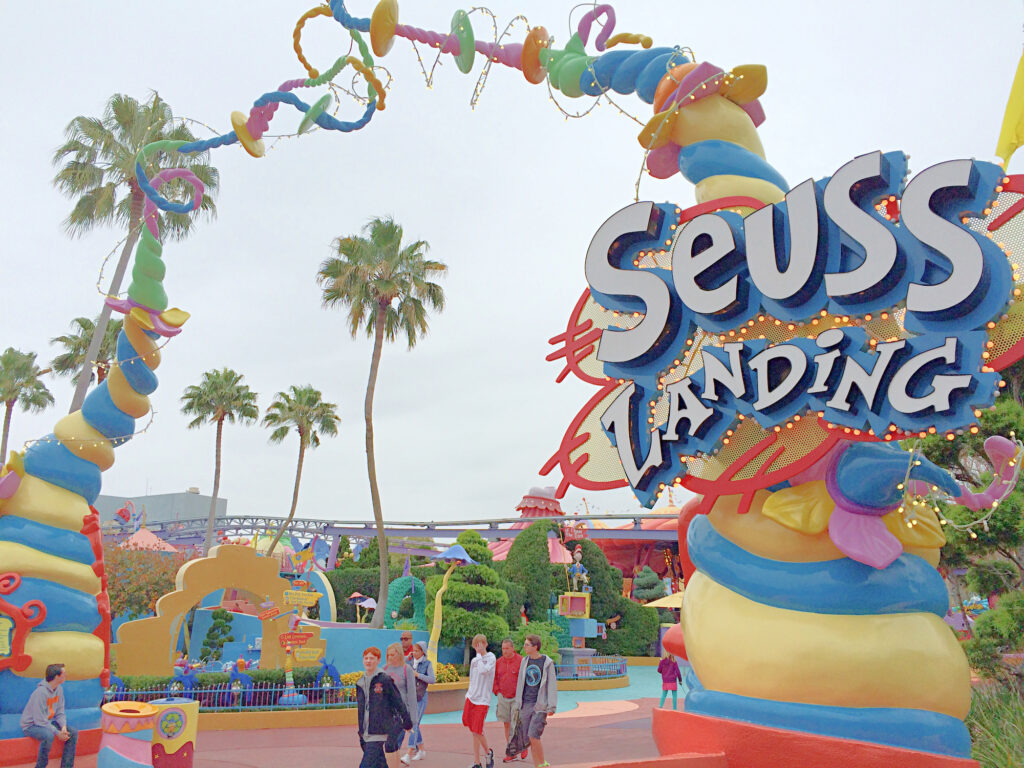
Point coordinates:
[(768, 390), (146, 646)]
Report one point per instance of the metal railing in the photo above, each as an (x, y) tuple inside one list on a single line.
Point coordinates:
[(593, 667), (261, 696)]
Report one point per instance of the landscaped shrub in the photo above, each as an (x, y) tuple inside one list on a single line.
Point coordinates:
[(546, 631), (447, 673), (474, 602), (528, 564), (647, 585), (218, 634)]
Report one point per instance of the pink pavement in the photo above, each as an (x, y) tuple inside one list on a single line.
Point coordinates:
[(609, 732)]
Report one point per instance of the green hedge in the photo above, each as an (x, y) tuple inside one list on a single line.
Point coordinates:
[(548, 640), (529, 565)]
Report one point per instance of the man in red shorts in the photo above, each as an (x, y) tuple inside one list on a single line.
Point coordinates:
[(478, 700)]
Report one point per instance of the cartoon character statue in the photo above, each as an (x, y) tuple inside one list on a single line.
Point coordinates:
[(577, 571)]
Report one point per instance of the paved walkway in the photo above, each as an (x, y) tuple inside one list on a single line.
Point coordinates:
[(593, 732)]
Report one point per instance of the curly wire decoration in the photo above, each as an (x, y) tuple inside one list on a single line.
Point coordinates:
[(621, 71)]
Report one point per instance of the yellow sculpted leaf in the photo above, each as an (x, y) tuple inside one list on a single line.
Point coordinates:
[(805, 508), (174, 317), (17, 463), (751, 81), (927, 533), (658, 130), (141, 316)]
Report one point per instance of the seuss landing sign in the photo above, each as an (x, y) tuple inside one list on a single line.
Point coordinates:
[(864, 302)]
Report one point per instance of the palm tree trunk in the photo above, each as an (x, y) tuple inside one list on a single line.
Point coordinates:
[(371, 468), (212, 519), (295, 495), (7, 429), (135, 227)]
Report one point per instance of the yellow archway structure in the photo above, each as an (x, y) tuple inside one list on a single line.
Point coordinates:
[(146, 646)]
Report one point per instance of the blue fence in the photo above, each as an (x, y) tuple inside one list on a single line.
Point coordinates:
[(592, 667), (261, 696)]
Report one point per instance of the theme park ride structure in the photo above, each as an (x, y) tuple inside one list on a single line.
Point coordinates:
[(890, 319)]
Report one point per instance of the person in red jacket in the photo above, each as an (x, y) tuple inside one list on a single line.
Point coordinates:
[(506, 678)]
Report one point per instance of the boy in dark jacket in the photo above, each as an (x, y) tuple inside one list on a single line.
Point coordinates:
[(380, 708), (43, 718)]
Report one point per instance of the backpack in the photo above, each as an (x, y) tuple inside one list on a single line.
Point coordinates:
[(421, 686)]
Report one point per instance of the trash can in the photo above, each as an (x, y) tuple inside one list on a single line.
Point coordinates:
[(127, 734), (174, 735)]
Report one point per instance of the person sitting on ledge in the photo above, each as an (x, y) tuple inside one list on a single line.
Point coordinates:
[(43, 718)]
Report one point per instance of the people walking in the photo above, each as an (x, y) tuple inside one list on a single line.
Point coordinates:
[(423, 671), (536, 695), (405, 681), (478, 701), (381, 711), (506, 678)]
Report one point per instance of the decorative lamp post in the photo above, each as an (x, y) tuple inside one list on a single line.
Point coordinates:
[(356, 599), (455, 556)]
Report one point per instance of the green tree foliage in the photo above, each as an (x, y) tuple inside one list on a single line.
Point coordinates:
[(137, 578), (220, 396), (637, 626), (72, 361), (965, 458), (647, 585), (387, 288), (347, 580), (998, 631), (548, 638), (474, 602), (637, 632), (991, 576), (20, 385), (516, 600), (304, 410), (97, 169), (1003, 533), (218, 634), (528, 564)]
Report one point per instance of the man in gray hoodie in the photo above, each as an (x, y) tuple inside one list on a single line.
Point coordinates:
[(536, 695), (43, 718)]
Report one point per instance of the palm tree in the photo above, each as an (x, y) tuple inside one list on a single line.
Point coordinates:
[(76, 344), (220, 396), (19, 383), (304, 409), (387, 289), (97, 162)]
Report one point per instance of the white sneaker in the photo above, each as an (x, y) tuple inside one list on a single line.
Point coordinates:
[(420, 754), (405, 758)]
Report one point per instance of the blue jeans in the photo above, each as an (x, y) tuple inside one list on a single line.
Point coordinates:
[(416, 738), (373, 755), (45, 737)]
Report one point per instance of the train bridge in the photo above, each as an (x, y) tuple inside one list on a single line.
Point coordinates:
[(408, 536)]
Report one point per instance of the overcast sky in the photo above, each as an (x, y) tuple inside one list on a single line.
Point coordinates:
[(508, 195)]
